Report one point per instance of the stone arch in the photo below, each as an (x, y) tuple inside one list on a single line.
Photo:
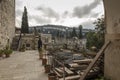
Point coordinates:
[(112, 54)]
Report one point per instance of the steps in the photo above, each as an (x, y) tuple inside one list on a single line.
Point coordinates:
[(14, 45)]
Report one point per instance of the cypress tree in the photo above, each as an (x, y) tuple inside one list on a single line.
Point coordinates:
[(25, 26), (74, 34), (80, 32)]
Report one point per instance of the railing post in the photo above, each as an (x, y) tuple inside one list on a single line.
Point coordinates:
[(63, 71)]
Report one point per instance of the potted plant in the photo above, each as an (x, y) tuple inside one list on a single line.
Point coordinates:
[(44, 61), (7, 52), (47, 68), (52, 76), (40, 53), (1, 53)]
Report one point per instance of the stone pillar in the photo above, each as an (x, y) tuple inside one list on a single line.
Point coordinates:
[(112, 53)]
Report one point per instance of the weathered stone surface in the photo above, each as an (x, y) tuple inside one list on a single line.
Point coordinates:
[(112, 54), (7, 21), (22, 66), (31, 41)]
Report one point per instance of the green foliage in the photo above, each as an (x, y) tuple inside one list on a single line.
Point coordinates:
[(100, 25), (1, 52), (24, 27), (7, 47), (73, 34), (40, 50), (96, 38), (80, 32), (8, 51)]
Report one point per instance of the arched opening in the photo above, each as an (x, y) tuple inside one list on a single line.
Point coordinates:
[(112, 18), (112, 54)]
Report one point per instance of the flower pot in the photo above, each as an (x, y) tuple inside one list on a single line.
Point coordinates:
[(7, 55), (1, 55), (52, 76), (44, 61), (47, 68)]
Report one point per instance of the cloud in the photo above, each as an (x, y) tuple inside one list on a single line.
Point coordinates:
[(94, 15), (65, 14), (39, 19), (18, 22), (85, 10), (48, 12), (18, 12), (89, 23), (19, 3)]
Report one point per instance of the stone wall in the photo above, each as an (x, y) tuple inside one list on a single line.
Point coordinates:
[(7, 21), (31, 41)]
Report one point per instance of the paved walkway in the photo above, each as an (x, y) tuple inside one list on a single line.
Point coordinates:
[(22, 66)]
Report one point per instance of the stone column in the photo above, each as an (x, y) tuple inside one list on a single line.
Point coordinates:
[(112, 53)]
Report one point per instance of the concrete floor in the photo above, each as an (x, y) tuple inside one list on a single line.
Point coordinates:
[(22, 66)]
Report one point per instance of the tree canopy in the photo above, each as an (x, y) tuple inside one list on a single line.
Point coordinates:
[(73, 33), (96, 39), (80, 32)]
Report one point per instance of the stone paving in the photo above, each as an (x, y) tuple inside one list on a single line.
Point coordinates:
[(22, 66)]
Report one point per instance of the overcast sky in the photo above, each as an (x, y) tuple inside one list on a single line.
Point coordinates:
[(60, 12)]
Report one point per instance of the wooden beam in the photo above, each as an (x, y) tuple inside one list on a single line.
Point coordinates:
[(85, 61), (74, 77), (101, 52), (58, 74)]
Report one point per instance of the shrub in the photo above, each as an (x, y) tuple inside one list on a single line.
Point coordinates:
[(7, 52), (1, 53)]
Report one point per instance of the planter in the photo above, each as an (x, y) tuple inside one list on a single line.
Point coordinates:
[(7, 55), (1, 54), (52, 76), (47, 68), (44, 61)]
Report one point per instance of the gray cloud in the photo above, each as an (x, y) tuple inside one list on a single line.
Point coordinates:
[(19, 12), (19, 3), (48, 12), (85, 10), (94, 15), (18, 22), (39, 19), (88, 24), (65, 14)]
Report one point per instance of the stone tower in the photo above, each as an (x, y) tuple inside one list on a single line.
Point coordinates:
[(7, 21)]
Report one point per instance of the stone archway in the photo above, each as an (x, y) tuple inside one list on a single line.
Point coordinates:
[(112, 54)]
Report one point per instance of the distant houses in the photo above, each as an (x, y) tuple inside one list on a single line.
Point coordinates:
[(54, 29)]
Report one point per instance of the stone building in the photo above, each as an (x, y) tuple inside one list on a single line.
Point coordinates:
[(31, 41), (7, 21)]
